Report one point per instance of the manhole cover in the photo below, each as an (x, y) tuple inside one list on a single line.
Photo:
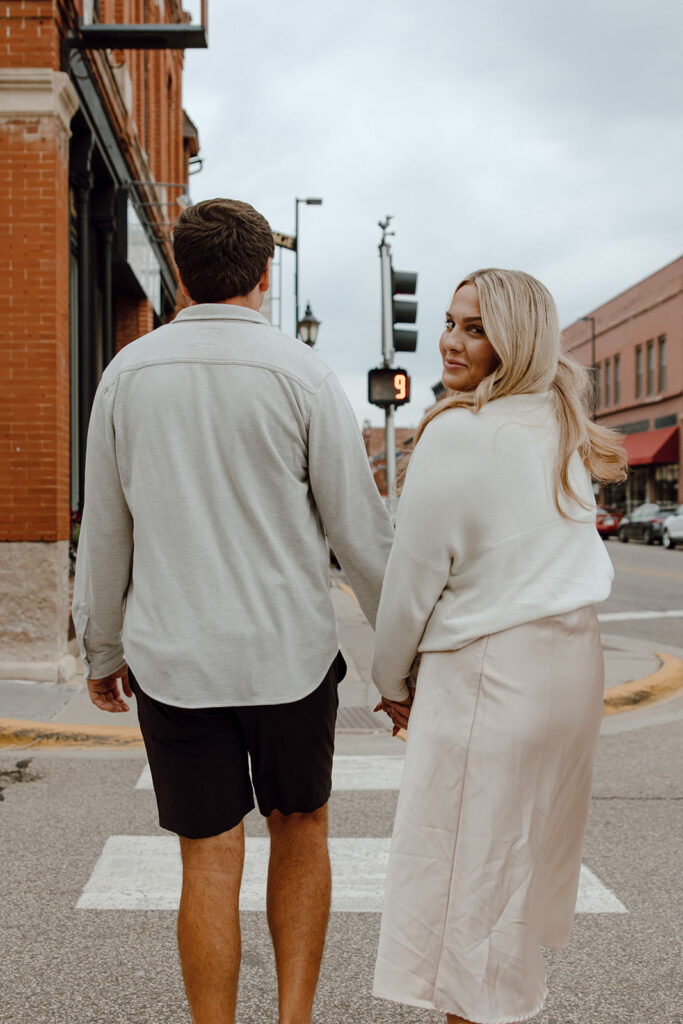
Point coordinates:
[(357, 720)]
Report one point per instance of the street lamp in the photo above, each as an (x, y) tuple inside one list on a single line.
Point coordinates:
[(307, 328), (308, 202), (593, 402)]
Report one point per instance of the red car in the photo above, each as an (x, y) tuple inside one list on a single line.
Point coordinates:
[(607, 521)]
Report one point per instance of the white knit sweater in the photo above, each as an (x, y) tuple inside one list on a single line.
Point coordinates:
[(480, 545)]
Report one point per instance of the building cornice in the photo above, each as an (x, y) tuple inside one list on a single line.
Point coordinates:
[(37, 92), (606, 329)]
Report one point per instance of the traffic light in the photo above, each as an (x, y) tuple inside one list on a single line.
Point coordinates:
[(404, 311), (388, 385)]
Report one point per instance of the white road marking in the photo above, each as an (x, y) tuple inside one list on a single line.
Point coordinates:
[(348, 772), (144, 873), (594, 897), (625, 616)]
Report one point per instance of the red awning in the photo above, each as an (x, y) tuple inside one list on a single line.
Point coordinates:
[(652, 447)]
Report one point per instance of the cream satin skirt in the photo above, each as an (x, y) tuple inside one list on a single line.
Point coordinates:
[(486, 850)]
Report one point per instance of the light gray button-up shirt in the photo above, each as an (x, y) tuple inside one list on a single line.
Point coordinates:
[(220, 452)]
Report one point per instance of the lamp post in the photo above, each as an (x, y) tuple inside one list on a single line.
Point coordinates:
[(308, 202), (593, 403), (307, 328)]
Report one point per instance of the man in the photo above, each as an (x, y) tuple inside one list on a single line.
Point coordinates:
[(220, 453)]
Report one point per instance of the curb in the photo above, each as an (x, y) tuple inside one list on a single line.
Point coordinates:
[(663, 684), (18, 732), (660, 686)]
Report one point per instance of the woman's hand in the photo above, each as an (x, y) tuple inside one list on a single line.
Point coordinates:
[(398, 711)]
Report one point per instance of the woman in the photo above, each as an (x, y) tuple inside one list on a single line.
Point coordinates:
[(494, 571)]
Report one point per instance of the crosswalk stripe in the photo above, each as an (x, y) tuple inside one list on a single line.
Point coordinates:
[(144, 873), (349, 772), (626, 616)]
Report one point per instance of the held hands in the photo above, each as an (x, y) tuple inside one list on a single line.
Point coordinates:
[(105, 693), (398, 711)]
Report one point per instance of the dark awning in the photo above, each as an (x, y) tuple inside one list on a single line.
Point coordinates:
[(652, 447)]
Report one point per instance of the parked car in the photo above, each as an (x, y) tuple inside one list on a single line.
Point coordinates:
[(672, 529), (607, 521), (645, 523)]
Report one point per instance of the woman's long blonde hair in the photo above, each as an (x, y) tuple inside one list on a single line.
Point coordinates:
[(521, 322)]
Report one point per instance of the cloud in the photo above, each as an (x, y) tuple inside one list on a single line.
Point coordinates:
[(529, 135)]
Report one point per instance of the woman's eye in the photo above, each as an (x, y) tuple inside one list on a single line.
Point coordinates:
[(449, 324), (475, 329)]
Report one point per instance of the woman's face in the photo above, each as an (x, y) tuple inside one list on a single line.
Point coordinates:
[(467, 354)]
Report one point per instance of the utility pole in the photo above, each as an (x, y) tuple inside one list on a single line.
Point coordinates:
[(389, 386), (387, 357)]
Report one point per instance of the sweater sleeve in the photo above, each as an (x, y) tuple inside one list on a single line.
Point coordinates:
[(424, 550), (105, 547), (352, 512)]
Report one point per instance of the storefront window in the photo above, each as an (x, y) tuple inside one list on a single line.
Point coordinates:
[(617, 380), (666, 485), (636, 487)]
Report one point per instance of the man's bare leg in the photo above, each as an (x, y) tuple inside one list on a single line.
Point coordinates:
[(209, 939), (452, 1018), (299, 890)]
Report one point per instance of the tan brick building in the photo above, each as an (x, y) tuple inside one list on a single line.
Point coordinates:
[(639, 382), (95, 152)]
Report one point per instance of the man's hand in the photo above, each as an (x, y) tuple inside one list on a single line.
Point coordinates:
[(398, 711), (105, 693)]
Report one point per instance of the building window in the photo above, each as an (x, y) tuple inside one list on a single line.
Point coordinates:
[(608, 382), (650, 367), (598, 385), (639, 371), (661, 342), (666, 484), (617, 380)]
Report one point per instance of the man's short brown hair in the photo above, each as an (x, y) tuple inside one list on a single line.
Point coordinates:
[(221, 248)]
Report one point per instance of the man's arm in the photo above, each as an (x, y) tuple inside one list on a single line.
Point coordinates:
[(105, 552), (356, 522)]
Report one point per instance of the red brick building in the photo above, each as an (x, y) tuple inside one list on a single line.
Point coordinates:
[(375, 446), (95, 152), (638, 356)]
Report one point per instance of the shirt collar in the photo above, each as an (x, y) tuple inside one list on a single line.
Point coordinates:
[(219, 311)]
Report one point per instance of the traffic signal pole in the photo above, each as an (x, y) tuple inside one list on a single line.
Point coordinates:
[(388, 355)]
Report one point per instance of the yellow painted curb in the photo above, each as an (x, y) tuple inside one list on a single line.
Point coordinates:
[(663, 684), (19, 732)]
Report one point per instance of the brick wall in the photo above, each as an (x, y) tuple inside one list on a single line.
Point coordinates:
[(31, 33), (133, 318), (34, 335), (34, 261)]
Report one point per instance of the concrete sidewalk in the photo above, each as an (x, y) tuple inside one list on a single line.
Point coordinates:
[(634, 674)]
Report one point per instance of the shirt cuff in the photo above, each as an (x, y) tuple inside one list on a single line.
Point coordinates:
[(98, 666), (389, 681)]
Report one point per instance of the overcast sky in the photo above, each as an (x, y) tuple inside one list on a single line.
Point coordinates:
[(531, 135)]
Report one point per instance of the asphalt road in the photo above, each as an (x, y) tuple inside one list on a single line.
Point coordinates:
[(647, 578), (62, 964)]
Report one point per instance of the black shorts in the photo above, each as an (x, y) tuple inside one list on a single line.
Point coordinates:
[(199, 757)]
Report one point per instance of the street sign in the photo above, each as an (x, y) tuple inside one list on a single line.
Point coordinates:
[(284, 241)]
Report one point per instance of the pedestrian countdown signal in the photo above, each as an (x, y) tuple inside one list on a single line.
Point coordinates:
[(387, 386)]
